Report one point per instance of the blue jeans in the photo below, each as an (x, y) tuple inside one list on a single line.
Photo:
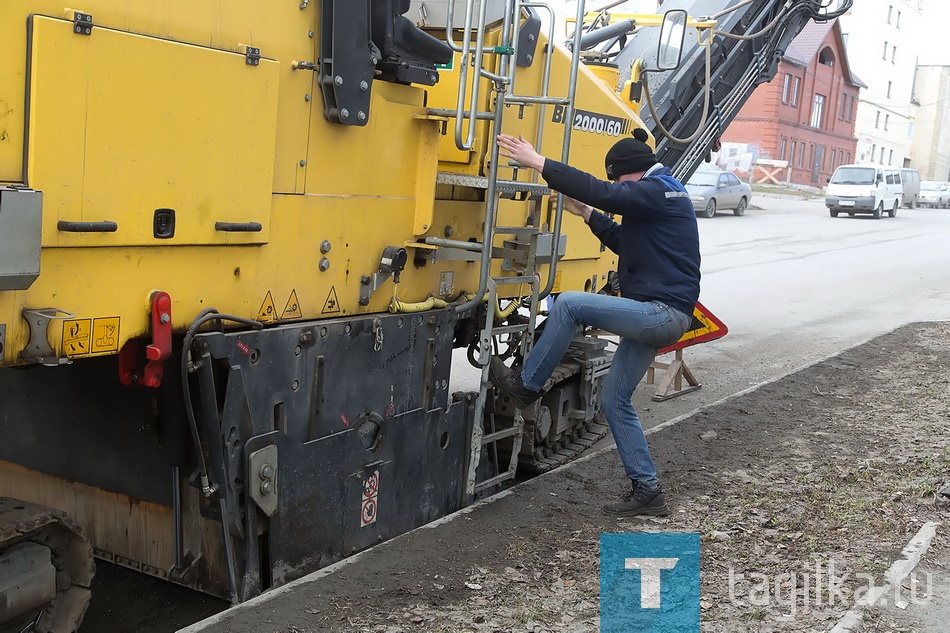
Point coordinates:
[(644, 327)]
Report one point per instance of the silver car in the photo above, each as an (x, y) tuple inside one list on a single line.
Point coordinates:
[(934, 194), (713, 191)]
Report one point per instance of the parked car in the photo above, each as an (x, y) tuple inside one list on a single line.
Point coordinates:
[(934, 194), (910, 181), (870, 189), (713, 191)]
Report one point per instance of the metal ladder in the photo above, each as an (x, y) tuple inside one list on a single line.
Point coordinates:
[(525, 238)]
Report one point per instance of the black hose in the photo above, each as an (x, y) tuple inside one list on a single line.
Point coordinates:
[(206, 315)]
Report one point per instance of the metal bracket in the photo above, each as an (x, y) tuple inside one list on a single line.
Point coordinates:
[(38, 349), (391, 264), (262, 479), (82, 23), (156, 353)]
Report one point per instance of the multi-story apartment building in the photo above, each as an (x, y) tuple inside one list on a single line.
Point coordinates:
[(883, 38)]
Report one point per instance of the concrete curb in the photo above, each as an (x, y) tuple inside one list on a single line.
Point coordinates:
[(894, 576)]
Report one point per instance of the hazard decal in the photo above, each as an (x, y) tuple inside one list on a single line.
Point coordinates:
[(368, 507), (268, 311), (332, 304), (291, 308), (76, 335), (705, 327), (105, 335)]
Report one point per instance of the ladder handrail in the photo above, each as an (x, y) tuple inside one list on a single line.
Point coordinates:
[(566, 147), (463, 73)]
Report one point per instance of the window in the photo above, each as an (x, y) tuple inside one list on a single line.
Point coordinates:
[(847, 158), (834, 154), (795, 82), (847, 103), (890, 84), (785, 88), (894, 55), (882, 154), (781, 151), (877, 119), (889, 177), (887, 120), (890, 157), (731, 180), (890, 11), (885, 51), (818, 111), (898, 19), (801, 155), (791, 155), (826, 57), (873, 151)]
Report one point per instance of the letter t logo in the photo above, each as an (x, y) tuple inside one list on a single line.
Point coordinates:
[(650, 578)]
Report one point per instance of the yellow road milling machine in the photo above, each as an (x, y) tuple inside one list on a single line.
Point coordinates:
[(239, 243)]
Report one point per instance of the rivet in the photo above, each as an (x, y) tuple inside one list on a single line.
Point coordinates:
[(303, 163), (306, 97)]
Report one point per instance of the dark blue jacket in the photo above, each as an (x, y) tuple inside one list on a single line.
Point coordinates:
[(658, 241)]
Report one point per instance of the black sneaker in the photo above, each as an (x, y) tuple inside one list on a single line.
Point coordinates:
[(640, 500), (509, 383)]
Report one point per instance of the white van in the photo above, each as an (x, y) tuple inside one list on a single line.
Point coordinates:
[(870, 189)]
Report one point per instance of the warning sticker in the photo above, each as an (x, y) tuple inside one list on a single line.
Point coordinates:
[(291, 308), (105, 335), (332, 304), (76, 335), (368, 507), (268, 311), (705, 327)]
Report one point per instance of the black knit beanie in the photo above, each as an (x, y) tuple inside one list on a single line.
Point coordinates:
[(629, 155)]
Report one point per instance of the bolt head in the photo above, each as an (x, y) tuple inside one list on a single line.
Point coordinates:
[(306, 97), (364, 86), (266, 487), (344, 113), (338, 80), (165, 318), (361, 116), (324, 264), (267, 471)]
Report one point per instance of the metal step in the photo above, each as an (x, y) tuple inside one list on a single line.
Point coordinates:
[(514, 189)]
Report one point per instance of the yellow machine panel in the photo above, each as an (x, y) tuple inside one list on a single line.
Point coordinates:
[(122, 125)]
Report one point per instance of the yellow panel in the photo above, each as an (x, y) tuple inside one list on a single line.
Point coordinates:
[(122, 124)]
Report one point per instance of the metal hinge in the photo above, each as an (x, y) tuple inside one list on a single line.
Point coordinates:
[(252, 56), (82, 23)]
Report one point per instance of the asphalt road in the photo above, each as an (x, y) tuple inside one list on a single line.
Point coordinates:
[(792, 284)]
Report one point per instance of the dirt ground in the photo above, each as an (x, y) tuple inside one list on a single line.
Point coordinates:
[(826, 473)]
